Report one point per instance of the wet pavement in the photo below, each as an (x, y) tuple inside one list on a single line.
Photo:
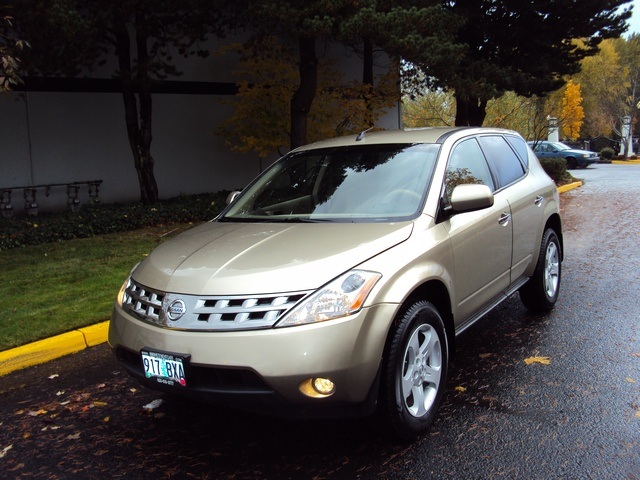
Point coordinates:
[(578, 416)]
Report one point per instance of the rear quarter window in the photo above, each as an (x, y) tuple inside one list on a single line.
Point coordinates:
[(520, 147)]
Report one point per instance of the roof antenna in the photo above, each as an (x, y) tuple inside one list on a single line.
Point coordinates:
[(360, 136)]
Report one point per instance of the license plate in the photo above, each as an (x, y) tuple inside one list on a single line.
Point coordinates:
[(166, 368)]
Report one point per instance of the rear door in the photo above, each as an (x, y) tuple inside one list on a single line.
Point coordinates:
[(508, 157)]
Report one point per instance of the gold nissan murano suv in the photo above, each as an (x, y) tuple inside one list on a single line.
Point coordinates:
[(336, 282)]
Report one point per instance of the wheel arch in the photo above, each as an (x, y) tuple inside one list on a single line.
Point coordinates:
[(435, 292), (555, 223)]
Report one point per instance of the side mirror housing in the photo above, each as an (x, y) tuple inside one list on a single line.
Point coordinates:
[(471, 197), (232, 196)]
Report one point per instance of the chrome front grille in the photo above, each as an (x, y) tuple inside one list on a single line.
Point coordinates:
[(142, 302), (208, 313)]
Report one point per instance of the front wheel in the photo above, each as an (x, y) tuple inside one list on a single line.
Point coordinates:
[(415, 371), (540, 293)]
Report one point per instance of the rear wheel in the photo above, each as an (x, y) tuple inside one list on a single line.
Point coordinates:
[(571, 162), (540, 293), (415, 371)]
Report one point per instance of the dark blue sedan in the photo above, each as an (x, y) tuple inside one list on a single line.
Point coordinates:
[(575, 158)]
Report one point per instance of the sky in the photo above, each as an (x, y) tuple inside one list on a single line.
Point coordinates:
[(634, 21)]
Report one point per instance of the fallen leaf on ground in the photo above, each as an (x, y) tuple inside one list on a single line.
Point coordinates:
[(637, 414), (460, 389), (630, 380), (100, 404), (37, 413), (75, 436), (4, 451), (540, 360), (51, 377), (153, 405)]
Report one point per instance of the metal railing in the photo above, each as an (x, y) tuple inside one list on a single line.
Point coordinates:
[(30, 194)]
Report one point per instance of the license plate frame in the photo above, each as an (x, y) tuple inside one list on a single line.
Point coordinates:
[(166, 368)]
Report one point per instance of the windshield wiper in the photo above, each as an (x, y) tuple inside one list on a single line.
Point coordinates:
[(271, 219)]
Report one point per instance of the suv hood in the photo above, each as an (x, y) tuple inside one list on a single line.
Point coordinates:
[(236, 259)]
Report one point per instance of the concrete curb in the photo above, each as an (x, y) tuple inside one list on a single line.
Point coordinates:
[(626, 162), (71, 342), (570, 186), (51, 348)]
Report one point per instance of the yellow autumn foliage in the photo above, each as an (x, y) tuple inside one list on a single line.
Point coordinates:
[(572, 111), (268, 76)]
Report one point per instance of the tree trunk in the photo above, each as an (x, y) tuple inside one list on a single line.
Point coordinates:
[(367, 67), (470, 112), (138, 121), (303, 97), (367, 80)]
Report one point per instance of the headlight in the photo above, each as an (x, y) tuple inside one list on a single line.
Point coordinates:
[(120, 297), (343, 296)]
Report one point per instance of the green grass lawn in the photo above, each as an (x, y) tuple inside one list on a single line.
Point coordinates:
[(57, 287)]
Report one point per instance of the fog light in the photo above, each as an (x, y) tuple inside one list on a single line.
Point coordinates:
[(317, 387), (323, 386)]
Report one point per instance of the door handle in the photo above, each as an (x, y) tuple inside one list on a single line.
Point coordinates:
[(538, 201), (504, 219)]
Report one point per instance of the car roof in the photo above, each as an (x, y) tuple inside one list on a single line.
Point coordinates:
[(411, 135)]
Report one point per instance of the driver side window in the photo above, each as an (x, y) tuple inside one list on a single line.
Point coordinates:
[(467, 165)]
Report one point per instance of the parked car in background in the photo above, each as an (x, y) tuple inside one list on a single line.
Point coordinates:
[(337, 281), (575, 158)]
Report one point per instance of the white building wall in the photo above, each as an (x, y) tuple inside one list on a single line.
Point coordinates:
[(58, 137)]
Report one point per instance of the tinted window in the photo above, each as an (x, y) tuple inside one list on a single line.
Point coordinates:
[(505, 162), (467, 165), (519, 145)]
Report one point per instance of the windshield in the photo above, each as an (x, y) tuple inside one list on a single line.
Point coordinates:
[(560, 146), (363, 183)]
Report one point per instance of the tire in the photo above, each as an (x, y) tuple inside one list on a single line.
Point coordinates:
[(414, 374), (571, 163), (540, 293)]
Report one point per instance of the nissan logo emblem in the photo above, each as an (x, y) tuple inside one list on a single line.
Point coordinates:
[(176, 310)]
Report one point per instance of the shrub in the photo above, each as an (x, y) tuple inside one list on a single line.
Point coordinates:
[(556, 168), (98, 219), (607, 153)]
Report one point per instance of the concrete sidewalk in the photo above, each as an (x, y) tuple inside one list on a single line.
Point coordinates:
[(71, 342)]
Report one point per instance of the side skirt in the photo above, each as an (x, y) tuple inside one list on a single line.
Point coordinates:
[(497, 301)]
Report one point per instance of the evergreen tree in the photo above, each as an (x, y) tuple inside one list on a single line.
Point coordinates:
[(526, 47), (417, 31)]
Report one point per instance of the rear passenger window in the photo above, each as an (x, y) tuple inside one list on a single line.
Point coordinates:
[(504, 160)]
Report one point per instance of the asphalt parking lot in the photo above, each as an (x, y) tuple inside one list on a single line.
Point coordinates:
[(571, 412)]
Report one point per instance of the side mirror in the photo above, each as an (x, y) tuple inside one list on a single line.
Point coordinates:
[(471, 197), (232, 196)]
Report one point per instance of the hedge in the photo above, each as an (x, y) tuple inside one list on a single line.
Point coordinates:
[(109, 218)]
